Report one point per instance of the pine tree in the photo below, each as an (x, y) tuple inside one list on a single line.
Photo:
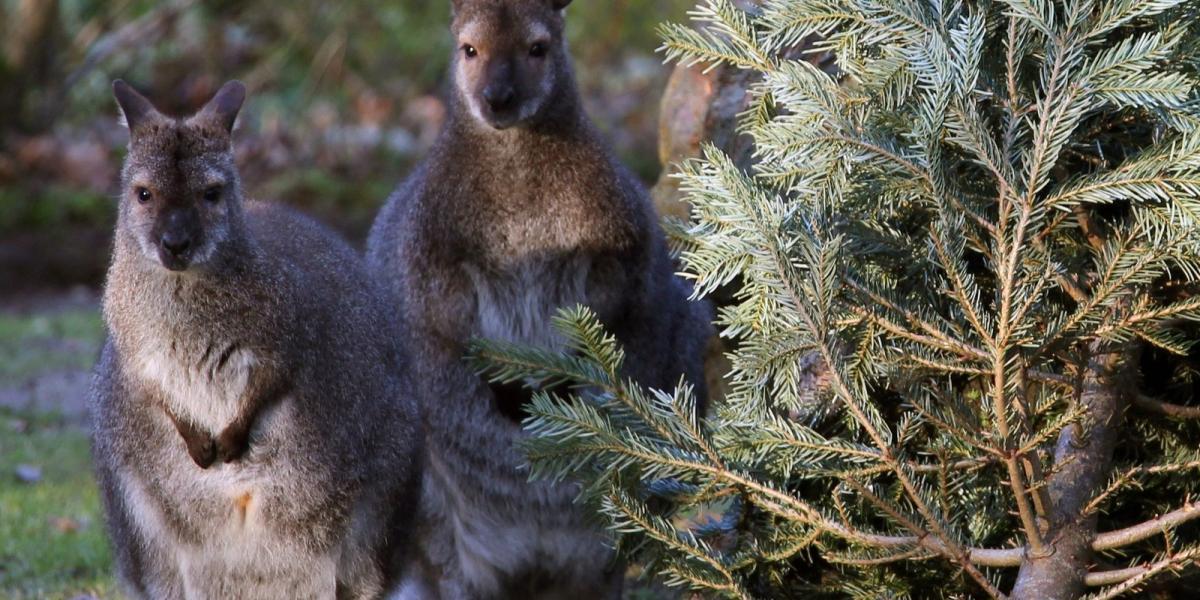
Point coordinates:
[(983, 232)]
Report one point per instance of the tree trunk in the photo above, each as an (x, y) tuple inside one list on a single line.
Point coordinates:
[(30, 54), (1082, 465)]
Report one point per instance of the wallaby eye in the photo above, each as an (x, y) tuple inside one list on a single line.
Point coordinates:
[(470, 51), (538, 50), (212, 194), (143, 195)]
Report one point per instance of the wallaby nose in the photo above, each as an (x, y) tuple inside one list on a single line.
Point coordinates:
[(176, 242), (499, 97)]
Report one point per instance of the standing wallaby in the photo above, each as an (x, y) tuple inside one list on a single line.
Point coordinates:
[(520, 210), (254, 434)]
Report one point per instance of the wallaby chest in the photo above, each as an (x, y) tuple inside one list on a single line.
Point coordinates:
[(515, 302), (538, 233), (201, 379), (223, 520), (190, 354), (538, 198)]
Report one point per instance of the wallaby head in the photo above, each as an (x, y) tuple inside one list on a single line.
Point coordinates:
[(511, 58), (181, 198)]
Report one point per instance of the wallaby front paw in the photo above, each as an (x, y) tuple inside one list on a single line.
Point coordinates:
[(202, 450), (232, 445)]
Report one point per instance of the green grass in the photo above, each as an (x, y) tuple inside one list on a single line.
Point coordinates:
[(52, 540), (45, 343)]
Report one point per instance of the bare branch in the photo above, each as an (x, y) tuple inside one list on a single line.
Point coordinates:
[(1147, 571), (1177, 411), (1102, 578), (1148, 529)]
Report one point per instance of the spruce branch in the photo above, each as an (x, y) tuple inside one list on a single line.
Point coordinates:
[(946, 258)]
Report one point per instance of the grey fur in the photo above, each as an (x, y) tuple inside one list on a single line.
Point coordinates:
[(319, 498), (510, 218)]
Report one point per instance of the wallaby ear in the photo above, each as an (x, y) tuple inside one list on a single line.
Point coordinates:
[(136, 109), (224, 107), (559, 4)]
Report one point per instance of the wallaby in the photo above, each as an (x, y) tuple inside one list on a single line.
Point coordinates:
[(255, 436), (518, 211)]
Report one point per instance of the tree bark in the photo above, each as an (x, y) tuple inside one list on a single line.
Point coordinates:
[(30, 54), (1082, 465)]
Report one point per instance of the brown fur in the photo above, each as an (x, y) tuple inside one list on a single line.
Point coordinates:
[(511, 217)]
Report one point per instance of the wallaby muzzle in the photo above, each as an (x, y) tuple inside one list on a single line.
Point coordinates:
[(178, 235), (501, 98)]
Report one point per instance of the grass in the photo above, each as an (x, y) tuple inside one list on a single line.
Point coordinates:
[(44, 343), (52, 540)]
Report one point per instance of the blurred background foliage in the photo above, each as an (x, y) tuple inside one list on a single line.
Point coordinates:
[(345, 96)]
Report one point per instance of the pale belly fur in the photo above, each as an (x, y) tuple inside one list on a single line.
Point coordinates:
[(204, 390), (241, 553), (519, 305)]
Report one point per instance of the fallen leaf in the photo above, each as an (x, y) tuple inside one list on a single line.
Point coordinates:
[(65, 524)]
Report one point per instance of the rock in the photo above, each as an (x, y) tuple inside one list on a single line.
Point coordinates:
[(28, 474), (699, 107), (701, 104)]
